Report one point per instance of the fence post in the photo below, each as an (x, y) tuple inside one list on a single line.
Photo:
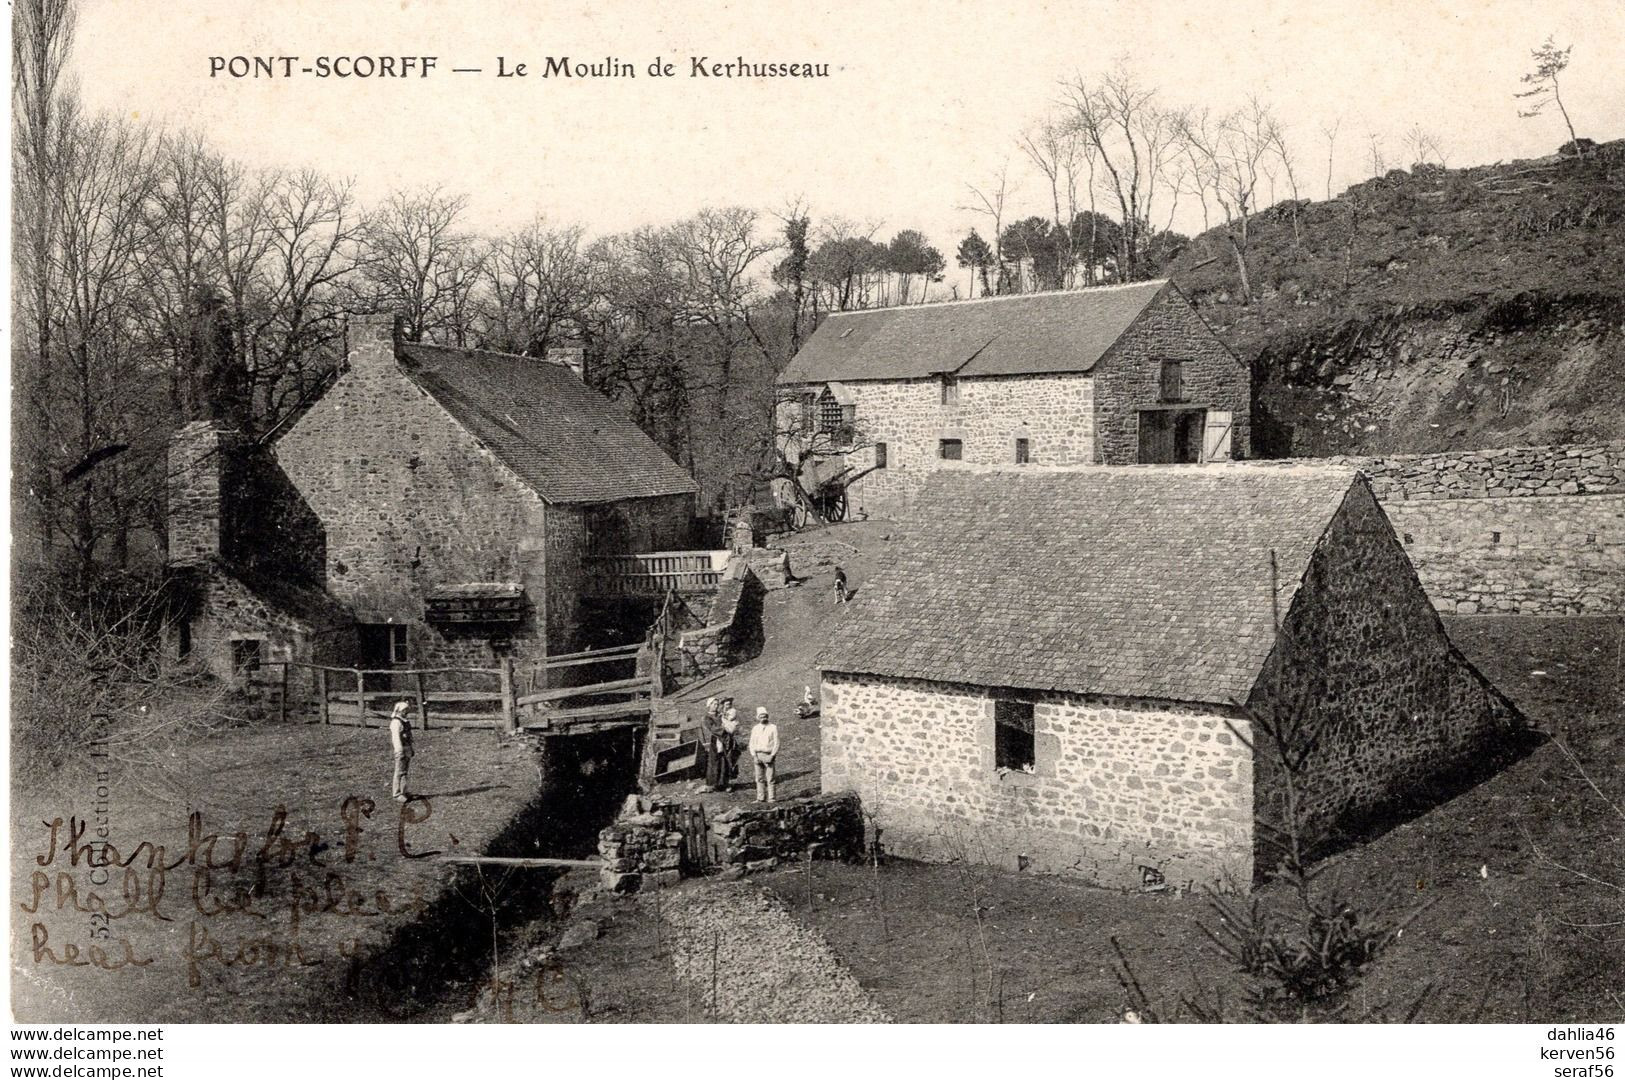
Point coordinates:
[(510, 710), (423, 701), (361, 696), (321, 689), (282, 705)]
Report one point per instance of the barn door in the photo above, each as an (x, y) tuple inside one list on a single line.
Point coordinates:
[(1216, 437)]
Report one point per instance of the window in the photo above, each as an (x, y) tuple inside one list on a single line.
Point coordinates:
[(245, 655), (829, 414), (1013, 735), (1023, 451), (397, 644), (951, 450), (849, 415), (1173, 377), (950, 390), (880, 455)]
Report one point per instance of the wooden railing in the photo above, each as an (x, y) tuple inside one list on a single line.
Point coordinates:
[(655, 573), (442, 696)]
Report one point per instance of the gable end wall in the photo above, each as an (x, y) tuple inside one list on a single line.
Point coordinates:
[(1128, 377), (396, 481), (1364, 660)]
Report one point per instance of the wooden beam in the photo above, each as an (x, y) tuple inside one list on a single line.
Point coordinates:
[(494, 860)]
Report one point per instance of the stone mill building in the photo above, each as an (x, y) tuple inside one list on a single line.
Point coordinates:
[(1105, 671), (1106, 376), (435, 507)]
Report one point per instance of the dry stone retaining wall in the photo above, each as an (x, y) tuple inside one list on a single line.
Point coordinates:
[(1124, 793), (1527, 530), (733, 630), (655, 840)]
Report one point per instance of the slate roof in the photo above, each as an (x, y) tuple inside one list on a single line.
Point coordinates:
[(560, 436), (1002, 335), (1138, 581)]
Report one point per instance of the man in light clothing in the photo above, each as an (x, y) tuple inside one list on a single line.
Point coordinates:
[(400, 740), (764, 747)]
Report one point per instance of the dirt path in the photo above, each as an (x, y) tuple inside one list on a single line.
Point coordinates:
[(765, 967)]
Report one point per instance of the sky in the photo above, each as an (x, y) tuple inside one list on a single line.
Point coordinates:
[(921, 100)]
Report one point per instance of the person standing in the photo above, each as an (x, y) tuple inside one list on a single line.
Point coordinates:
[(400, 741), (730, 757), (764, 748), (711, 741)]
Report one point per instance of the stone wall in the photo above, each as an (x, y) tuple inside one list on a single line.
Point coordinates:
[(658, 841), (733, 630), (1123, 793), (411, 501), (1527, 530), (1055, 413), (198, 456), (1364, 667), (1128, 378)]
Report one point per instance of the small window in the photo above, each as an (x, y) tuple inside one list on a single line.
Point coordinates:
[(1023, 451), (951, 449), (880, 455), (1013, 735), (1173, 381), (950, 391), (397, 644), (1495, 538), (245, 655)]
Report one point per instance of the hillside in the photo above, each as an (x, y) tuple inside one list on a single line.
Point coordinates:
[(1431, 310)]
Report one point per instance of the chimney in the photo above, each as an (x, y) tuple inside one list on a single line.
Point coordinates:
[(373, 340), (573, 357), (200, 459)]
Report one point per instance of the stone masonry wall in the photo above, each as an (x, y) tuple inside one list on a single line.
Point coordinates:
[(1055, 413), (198, 455), (1123, 793), (410, 501), (1526, 530), (1127, 378), (733, 630), (1364, 662), (653, 841)]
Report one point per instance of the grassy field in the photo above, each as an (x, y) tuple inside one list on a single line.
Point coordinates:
[(299, 919)]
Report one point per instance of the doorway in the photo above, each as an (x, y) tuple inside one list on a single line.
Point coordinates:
[(1171, 436), (382, 647)]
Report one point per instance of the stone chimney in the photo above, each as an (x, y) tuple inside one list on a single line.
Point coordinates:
[(573, 357), (372, 340), (200, 460)]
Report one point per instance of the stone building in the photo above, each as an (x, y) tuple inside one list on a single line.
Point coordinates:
[(434, 507), (1108, 376), (463, 492), (1102, 671), (244, 562)]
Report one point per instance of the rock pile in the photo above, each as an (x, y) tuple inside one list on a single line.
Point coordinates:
[(750, 962)]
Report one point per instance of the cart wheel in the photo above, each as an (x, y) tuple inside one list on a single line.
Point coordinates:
[(798, 517), (838, 507)]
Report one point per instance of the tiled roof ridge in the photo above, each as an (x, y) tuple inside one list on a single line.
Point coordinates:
[(938, 305)]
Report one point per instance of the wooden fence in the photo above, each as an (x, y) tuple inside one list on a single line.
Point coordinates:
[(655, 573), (442, 697)]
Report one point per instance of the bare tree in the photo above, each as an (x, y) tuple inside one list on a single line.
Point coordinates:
[(1275, 140), (1136, 142), (1226, 156), (990, 203), (1376, 154), (1330, 131), (42, 107), (421, 265), (1055, 149), (538, 282), (1423, 146), (1550, 62)]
